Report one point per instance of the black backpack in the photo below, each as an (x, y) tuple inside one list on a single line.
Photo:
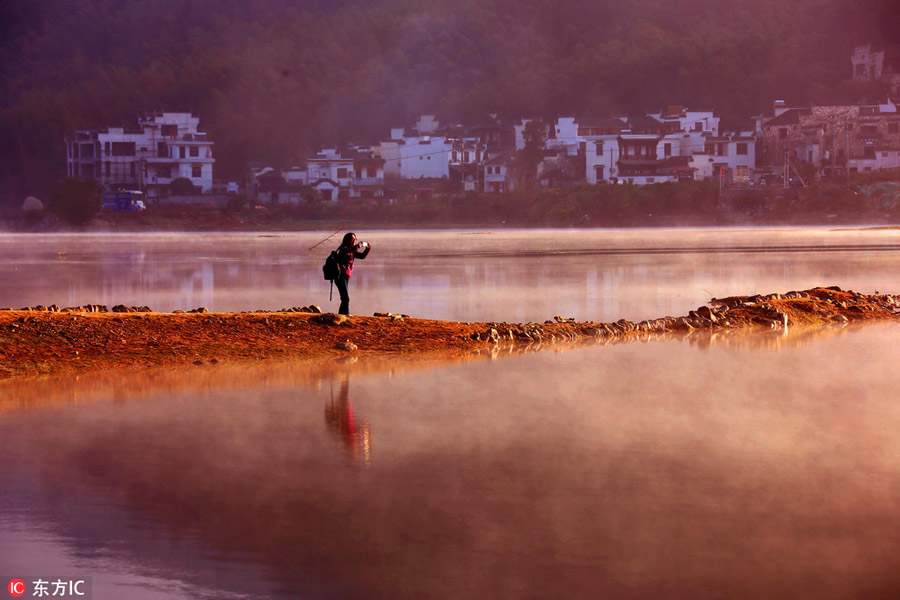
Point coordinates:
[(331, 270)]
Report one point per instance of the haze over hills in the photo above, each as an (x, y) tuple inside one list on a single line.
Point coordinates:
[(274, 79)]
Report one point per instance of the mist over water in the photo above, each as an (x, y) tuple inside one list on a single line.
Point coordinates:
[(752, 466), (519, 275)]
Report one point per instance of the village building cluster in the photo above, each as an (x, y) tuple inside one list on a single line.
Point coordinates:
[(676, 144), (147, 156)]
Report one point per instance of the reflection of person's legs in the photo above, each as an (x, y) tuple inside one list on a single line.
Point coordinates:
[(341, 283)]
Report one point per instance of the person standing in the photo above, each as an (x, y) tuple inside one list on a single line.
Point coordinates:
[(350, 249)]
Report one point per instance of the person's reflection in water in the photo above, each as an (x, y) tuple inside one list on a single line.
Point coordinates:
[(342, 423)]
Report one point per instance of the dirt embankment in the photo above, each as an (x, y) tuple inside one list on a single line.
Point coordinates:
[(49, 340)]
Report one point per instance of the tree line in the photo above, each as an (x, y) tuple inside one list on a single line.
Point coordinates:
[(272, 80)]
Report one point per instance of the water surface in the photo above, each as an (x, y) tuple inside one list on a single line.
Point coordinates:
[(519, 275), (746, 466)]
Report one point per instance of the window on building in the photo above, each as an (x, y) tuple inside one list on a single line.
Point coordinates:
[(342, 172), (164, 171), (196, 171), (194, 151), (721, 149), (106, 149), (87, 150), (106, 168), (132, 170), (742, 148), (371, 172), (782, 132), (698, 126), (667, 149), (868, 129), (123, 149), (162, 150), (169, 130)]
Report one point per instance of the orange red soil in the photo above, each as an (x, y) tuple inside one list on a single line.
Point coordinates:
[(40, 342)]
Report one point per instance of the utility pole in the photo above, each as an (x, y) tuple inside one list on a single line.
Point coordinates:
[(787, 173), (847, 164), (834, 153)]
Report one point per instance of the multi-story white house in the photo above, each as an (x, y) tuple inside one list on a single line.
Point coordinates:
[(601, 147), (148, 156), (732, 156), (412, 155)]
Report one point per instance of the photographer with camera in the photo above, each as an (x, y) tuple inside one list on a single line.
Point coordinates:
[(350, 249)]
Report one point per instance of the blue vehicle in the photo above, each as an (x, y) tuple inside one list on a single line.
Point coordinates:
[(128, 201)]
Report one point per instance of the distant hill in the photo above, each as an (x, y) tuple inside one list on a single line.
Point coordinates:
[(272, 79)]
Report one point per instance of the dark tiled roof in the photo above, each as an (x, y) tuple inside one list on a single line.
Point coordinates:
[(676, 161), (500, 159), (643, 121), (789, 117)]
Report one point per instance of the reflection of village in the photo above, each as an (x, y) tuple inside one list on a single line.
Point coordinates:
[(340, 418), (356, 437)]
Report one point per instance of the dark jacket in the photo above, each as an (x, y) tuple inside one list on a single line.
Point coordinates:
[(346, 254)]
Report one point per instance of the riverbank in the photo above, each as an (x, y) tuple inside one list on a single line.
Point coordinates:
[(48, 340), (686, 204)]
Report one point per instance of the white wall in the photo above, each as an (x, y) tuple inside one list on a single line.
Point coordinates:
[(608, 158), (566, 132), (424, 157), (884, 159)]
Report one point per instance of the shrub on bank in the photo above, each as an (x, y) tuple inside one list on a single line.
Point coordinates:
[(77, 200)]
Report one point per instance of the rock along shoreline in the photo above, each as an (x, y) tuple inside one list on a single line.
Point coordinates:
[(49, 340)]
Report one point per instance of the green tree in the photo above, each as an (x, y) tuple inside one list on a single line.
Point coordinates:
[(528, 158), (182, 186), (77, 200)]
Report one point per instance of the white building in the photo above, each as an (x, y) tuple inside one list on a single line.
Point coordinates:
[(601, 147), (565, 136), (497, 174), (416, 156), (653, 148), (338, 174), (735, 153), (149, 156)]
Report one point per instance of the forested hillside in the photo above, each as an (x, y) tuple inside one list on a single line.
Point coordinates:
[(273, 79)]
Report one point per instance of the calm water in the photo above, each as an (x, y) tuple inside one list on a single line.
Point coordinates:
[(486, 276), (755, 466)]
